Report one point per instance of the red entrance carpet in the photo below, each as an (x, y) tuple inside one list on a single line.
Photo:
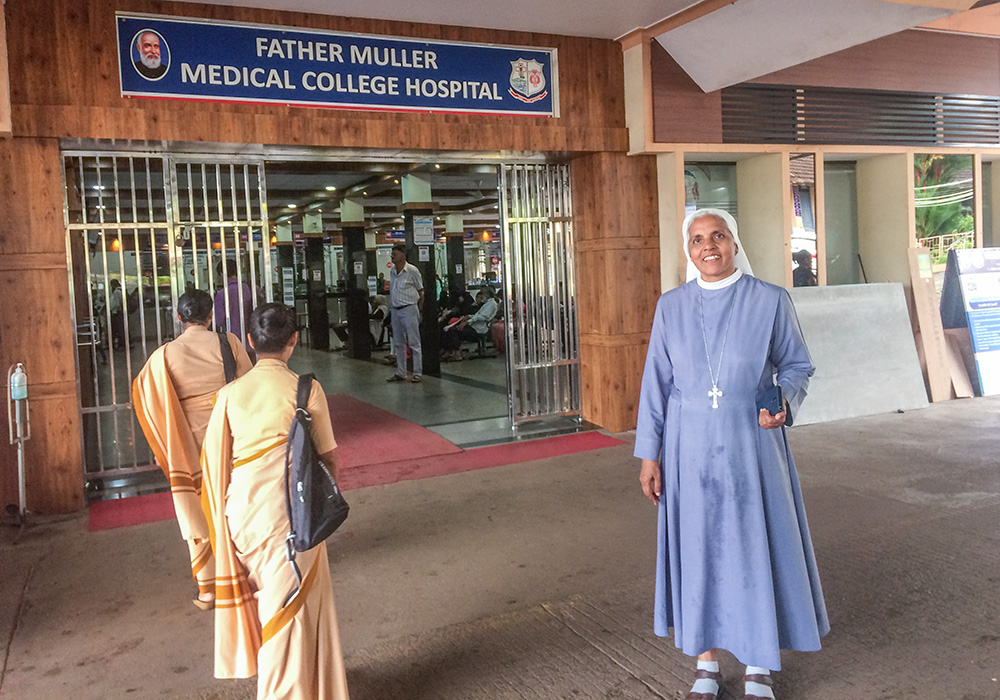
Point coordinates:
[(107, 515), (370, 441), (368, 435), (476, 458)]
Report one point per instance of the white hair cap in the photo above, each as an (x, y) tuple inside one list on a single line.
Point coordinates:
[(741, 261)]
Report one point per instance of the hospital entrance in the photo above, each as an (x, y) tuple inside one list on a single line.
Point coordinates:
[(315, 230)]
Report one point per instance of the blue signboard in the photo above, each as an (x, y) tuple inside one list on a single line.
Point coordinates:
[(193, 59), (972, 285)]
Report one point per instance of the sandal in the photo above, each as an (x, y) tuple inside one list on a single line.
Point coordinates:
[(762, 679), (708, 675), (203, 604)]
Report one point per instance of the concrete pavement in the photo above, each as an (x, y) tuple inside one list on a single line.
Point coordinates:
[(534, 581)]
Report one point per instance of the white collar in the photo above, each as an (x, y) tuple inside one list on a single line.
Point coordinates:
[(721, 284)]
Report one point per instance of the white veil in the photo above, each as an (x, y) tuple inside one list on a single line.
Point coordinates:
[(741, 261)]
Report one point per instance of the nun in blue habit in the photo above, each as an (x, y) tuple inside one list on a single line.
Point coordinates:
[(734, 562)]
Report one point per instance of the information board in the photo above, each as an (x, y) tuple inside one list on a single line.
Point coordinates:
[(196, 59), (974, 276)]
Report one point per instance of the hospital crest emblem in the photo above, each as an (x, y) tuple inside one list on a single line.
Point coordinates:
[(527, 81)]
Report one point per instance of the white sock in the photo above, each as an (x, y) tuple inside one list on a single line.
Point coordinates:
[(758, 689), (706, 685)]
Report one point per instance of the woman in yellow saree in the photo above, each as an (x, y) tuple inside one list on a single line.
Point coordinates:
[(293, 647)]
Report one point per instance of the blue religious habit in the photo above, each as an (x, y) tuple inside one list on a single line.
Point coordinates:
[(734, 562)]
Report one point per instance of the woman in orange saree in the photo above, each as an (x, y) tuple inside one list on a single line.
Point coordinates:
[(292, 645)]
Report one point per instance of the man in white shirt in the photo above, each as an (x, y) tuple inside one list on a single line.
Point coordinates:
[(406, 298)]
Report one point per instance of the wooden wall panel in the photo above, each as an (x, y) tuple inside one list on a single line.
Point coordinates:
[(53, 467), (30, 172), (914, 60), (610, 381), (79, 95), (618, 279), (36, 327), (682, 112)]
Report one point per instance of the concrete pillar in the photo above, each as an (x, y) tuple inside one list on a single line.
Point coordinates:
[(638, 93), (886, 220), (670, 202), (455, 232), (352, 228), (319, 317), (418, 207), (764, 202), (421, 254), (991, 231), (371, 263), (284, 248)]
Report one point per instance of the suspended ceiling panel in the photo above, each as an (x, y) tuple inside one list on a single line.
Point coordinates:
[(751, 38), (598, 19)]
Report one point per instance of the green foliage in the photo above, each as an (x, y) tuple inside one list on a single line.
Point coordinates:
[(940, 208)]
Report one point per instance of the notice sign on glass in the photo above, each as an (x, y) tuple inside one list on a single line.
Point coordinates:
[(979, 277), (423, 230), (184, 58)]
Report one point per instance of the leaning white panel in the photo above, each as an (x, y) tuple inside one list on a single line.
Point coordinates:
[(860, 341)]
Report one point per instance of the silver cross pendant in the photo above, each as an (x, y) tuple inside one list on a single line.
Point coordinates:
[(715, 393)]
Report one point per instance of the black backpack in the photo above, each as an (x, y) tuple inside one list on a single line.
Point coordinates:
[(314, 503)]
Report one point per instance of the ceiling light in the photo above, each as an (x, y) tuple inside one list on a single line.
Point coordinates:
[(396, 181), (292, 206), (331, 188), (365, 194), (99, 187), (437, 166)]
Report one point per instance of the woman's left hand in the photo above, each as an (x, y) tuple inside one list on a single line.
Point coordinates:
[(766, 420)]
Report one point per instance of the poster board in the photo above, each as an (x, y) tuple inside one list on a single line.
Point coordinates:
[(932, 340), (423, 230), (970, 298)]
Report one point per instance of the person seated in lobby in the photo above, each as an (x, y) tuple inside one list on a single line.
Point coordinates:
[(469, 327), (462, 306), (378, 316)]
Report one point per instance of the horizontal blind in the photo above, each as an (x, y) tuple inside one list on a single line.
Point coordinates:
[(753, 113)]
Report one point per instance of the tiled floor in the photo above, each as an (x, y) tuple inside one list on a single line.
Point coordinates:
[(467, 404), (466, 390)]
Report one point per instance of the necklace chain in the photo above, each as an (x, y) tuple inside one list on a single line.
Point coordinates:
[(715, 393)]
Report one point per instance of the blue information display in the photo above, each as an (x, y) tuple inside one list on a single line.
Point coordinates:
[(182, 58), (976, 273)]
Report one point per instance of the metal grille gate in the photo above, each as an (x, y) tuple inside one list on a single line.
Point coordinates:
[(543, 355), (141, 230)]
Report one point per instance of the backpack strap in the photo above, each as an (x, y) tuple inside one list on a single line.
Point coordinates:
[(228, 359), (302, 393)]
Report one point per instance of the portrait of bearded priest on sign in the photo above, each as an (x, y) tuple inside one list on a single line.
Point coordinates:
[(151, 63)]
